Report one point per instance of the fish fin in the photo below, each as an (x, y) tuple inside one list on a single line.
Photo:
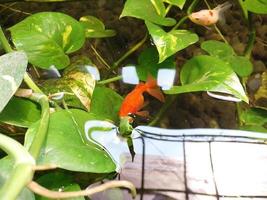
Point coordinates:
[(145, 104), (143, 113), (151, 82), (221, 9), (156, 92)]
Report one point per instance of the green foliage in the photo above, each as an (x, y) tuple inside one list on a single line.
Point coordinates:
[(61, 181), (20, 112), (254, 119), (169, 43), (47, 37), (12, 68), (145, 10), (106, 103), (6, 166), (66, 144), (207, 73), (179, 3), (94, 28), (240, 64), (148, 64), (256, 6)]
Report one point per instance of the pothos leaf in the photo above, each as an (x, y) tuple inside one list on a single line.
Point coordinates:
[(47, 37), (207, 73), (240, 64), (256, 6), (94, 28), (12, 68), (148, 64), (145, 10), (67, 145), (169, 43), (179, 3)]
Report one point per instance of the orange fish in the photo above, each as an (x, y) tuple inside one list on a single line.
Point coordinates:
[(134, 101), (210, 17)]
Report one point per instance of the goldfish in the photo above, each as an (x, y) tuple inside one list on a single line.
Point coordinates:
[(210, 17), (134, 101)]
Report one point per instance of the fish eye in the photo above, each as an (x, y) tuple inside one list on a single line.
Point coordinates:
[(132, 115)]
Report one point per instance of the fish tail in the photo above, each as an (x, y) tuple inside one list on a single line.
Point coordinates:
[(153, 89)]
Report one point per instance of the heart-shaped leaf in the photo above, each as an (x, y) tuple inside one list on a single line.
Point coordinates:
[(179, 3), (148, 64), (169, 43), (145, 10), (66, 144), (256, 6), (217, 49), (240, 64), (207, 73), (94, 28), (106, 103), (20, 112), (47, 37), (12, 68)]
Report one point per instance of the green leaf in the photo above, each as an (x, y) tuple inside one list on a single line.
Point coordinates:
[(47, 37), (207, 73), (106, 103), (179, 3), (61, 181), (94, 28), (254, 119), (12, 68), (148, 64), (6, 166), (20, 112), (169, 43), (256, 6), (76, 84), (217, 49), (159, 6), (146, 11), (240, 64), (67, 146)]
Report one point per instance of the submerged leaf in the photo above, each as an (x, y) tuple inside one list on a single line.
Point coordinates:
[(20, 112), (240, 64), (12, 69), (67, 145), (61, 182), (169, 43), (106, 103), (94, 28), (47, 37), (145, 10), (148, 64)]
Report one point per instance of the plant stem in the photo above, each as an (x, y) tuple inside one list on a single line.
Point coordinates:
[(4, 41), (116, 78), (129, 52), (252, 36), (22, 172), (162, 111), (31, 83), (220, 33), (38, 189), (180, 22), (245, 12), (40, 135)]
